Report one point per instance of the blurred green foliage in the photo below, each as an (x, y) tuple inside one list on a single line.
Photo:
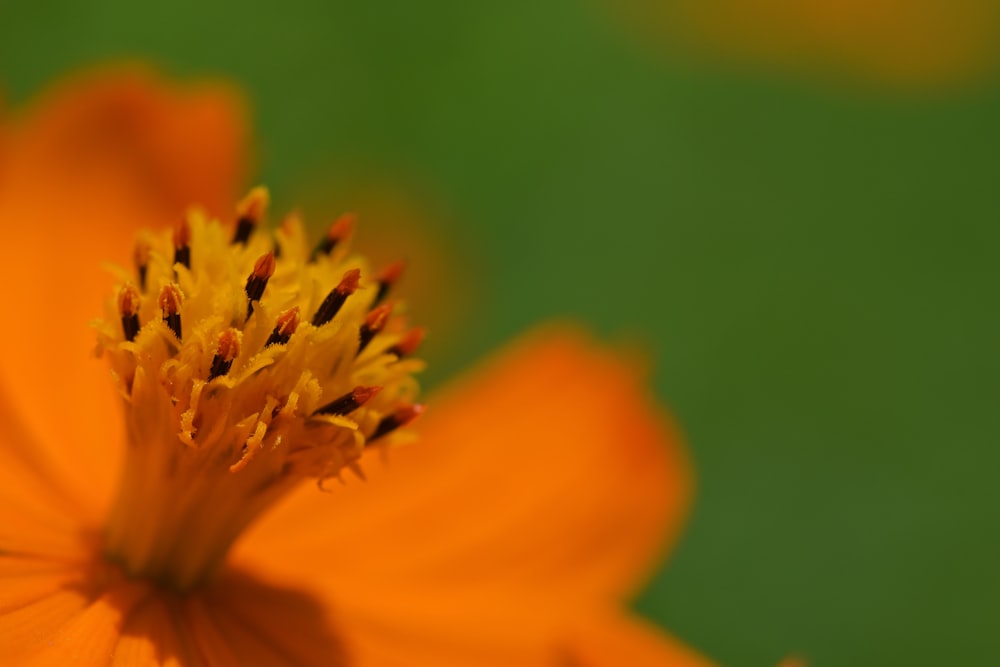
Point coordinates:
[(815, 268)]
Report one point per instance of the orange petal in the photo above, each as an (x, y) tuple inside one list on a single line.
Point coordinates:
[(607, 640), (238, 620), (32, 531), (549, 469), (149, 638), (38, 514), (487, 628), (384, 626), (89, 163), (50, 610), (203, 633), (90, 636), (24, 629), (504, 627), (25, 581), (270, 626)]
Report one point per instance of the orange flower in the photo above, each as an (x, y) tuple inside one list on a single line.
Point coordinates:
[(542, 487)]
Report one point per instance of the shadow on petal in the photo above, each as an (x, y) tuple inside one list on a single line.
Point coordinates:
[(88, 610)]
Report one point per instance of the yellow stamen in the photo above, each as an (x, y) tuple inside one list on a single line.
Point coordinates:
[(249, 212), (339, 232), (226, 353), (226, 415), (284, 327), (128, 310)]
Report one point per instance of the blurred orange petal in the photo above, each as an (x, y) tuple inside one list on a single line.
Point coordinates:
[(87, 165), (549, 467), (37, 514), (606, 640)]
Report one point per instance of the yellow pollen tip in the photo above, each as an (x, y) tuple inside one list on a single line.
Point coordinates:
[(342, 227), (288, 322), (253, 205), (170, 299), (229, 344), (265, 388), (128, 300), (377, 318), (409, 343), (349, 283), (264, 267), (392, 272)]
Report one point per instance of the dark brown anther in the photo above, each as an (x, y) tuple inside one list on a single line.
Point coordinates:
[(263, 269), (140, 256), (249, 212), (335, 299), (349, 402), (286, 325), (374, 323), (341, 229), (389, 277), (182, 243), (170, 303), (226, 352), (128, 308), (400, 417), (409, 343)]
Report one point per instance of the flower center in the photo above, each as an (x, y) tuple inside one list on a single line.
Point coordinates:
[(247, 362)]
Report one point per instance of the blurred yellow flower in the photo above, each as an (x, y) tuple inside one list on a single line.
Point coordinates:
[(544, 485), (896, 43)]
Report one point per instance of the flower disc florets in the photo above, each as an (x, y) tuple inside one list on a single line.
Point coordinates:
[(247, 362)]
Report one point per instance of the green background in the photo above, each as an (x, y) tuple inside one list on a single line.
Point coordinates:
[(816, 269)]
